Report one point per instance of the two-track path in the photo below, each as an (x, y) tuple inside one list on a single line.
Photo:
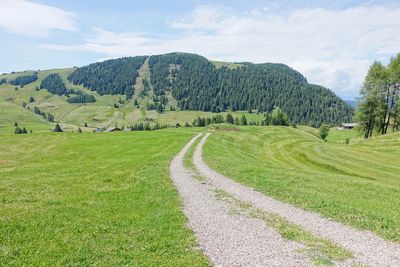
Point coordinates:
[(232, 239)]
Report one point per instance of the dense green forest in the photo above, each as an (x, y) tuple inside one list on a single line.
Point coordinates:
[(82, 98), (198, 85), (54, 85), (378, 108), (114, 76), (23, 80)]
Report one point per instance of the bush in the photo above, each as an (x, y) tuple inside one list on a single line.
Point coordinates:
[(324, 131)]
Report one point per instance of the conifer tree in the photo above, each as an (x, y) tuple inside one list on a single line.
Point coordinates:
[(57, 128), (243, 120), (229, 119)]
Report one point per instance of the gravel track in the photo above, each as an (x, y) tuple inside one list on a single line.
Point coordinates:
[(368, 248), (229, 239)]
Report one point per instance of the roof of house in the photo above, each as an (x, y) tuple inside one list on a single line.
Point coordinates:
[(350, 124), (111, 129)]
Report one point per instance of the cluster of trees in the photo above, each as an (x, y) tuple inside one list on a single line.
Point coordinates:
[(54, 84), (19, 130), (23, 80), (148, 127), (3, 81), (115, 76), (82, 98), (49, 117), (198, 85), (156, 106), (378, 108), (276, 117)]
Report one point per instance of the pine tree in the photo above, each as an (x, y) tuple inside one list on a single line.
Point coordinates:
[(79, 130), (15, 124), (17, 130), (86, 124), (243, 120), (57, 128)]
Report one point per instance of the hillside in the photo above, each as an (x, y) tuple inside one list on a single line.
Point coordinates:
[(168, 89), (356, 183)]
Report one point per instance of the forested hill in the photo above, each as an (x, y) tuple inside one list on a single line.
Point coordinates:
[(199, 84)]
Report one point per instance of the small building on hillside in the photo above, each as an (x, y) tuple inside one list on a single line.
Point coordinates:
[(112, 129), (347, 126)]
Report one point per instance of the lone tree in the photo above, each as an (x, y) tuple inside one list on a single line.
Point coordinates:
[(243, 120), (58, 129), (31, 99), (86, 124), (324, 131), (79, 130), (229, 119), (15, 124)]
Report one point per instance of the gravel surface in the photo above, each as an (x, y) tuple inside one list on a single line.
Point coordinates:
[(368, 248), (227, 238)]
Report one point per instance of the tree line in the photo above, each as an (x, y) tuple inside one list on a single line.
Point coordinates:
[(23, 80), (378, 108), (82, 98)]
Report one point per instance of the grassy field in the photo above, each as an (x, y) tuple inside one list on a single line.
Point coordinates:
[(93, 199), (356, 183)]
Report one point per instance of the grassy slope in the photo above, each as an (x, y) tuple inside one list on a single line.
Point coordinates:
[(358, 184), (92, 199), (101, 113)]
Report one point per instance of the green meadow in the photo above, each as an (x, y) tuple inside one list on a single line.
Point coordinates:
[(93, 199), (356, 183)]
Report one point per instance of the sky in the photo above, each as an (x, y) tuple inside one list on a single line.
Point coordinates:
[(331, 42)]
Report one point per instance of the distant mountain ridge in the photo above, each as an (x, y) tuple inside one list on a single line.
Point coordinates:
[(199, 84), (352, 103)]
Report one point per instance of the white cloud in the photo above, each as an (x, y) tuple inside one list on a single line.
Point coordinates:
[(27, 18), (330, 47)]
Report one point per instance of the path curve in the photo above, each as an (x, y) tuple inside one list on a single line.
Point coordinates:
[(368, 248), (229, 239)]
